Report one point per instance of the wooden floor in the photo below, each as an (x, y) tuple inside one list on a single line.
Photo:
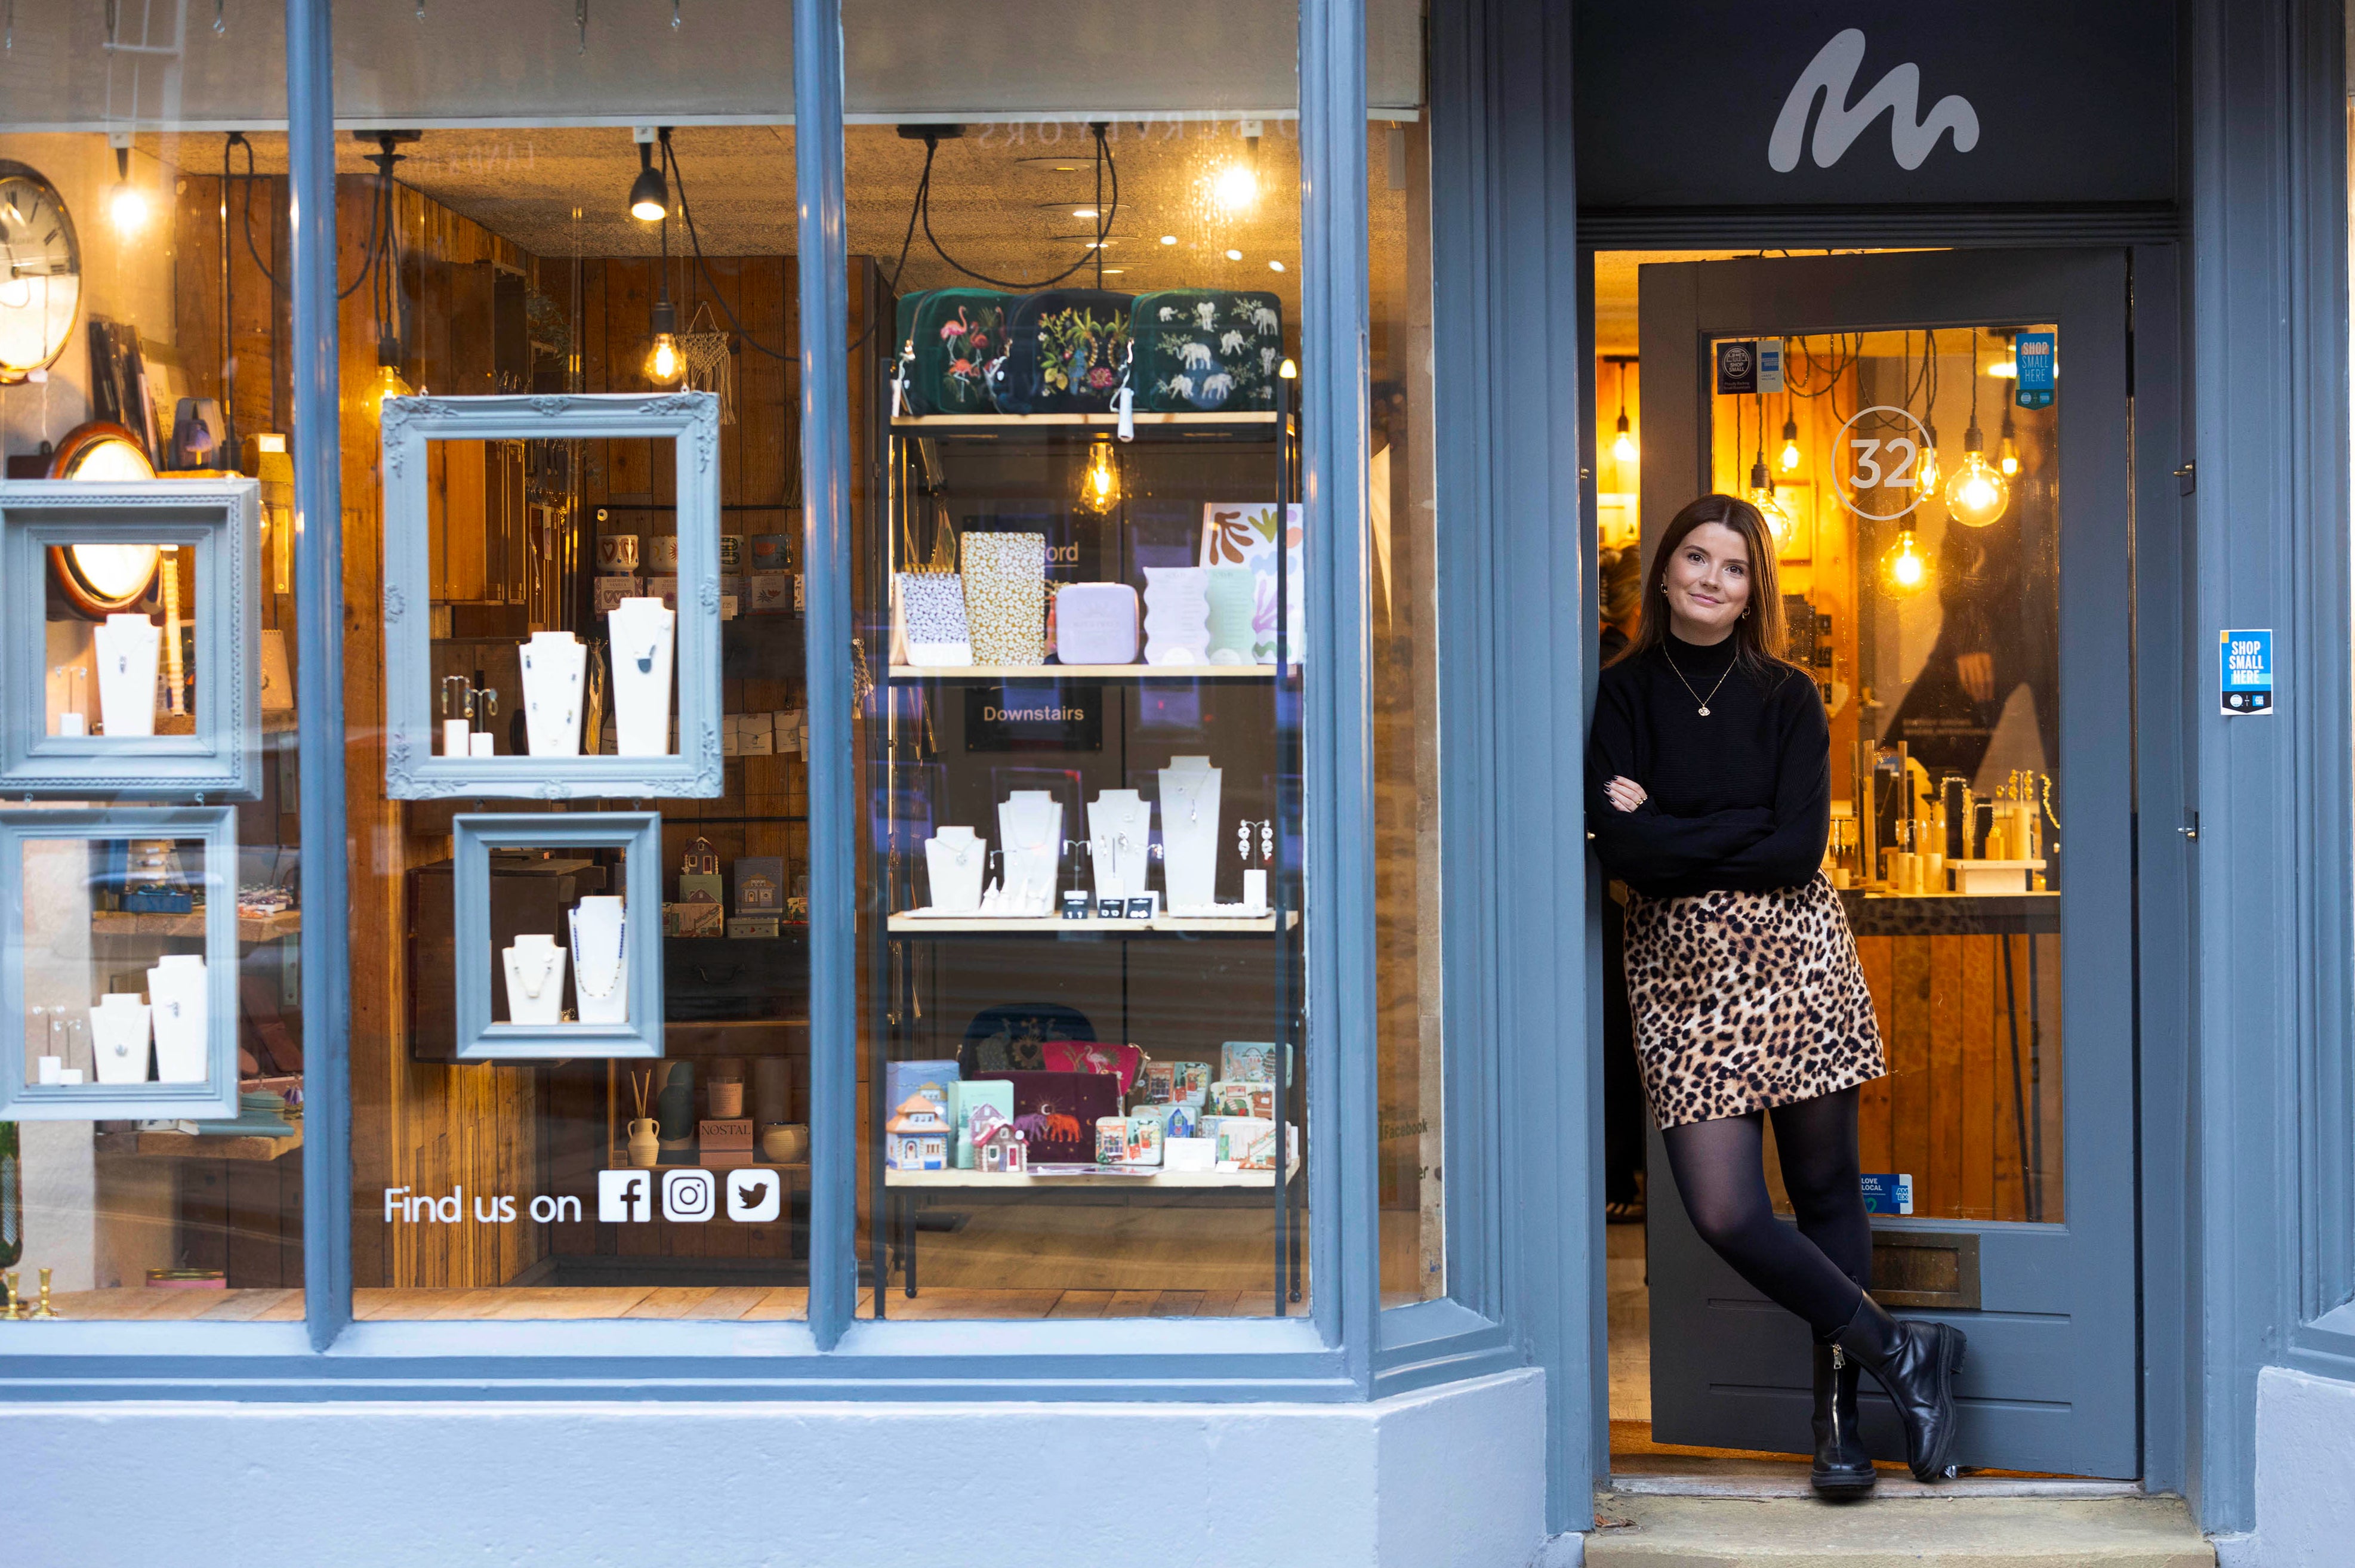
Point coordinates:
[(735, 1304)]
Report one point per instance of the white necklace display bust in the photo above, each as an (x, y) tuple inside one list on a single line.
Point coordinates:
[(553, 665), (642, 632), (1189, 835), (534, 974), (601, 967)]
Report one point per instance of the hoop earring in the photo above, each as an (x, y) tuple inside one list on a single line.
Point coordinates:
[(1746, 614)]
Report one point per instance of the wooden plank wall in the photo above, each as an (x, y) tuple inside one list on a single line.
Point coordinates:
[(1949, 1113)]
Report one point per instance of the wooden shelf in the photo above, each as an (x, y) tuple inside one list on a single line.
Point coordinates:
[(250, 928), (200, 1146), (921, 422), (1083, 672), (1149, 1178), (1055, 926)]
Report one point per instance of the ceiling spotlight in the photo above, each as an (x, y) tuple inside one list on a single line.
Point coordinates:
[(1113, 271), (1275, 266), (649, 196), (1084, 212), (1234, 255), (1168, 239), (1234, 188)]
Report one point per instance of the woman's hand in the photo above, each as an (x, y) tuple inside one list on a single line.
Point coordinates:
[(1625, 792)]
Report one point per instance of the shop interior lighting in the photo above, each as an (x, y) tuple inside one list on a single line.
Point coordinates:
[(1084, 212), (1926, 471), (1761, 483), (1275, 266), (649, 195), (1623, 443), (1168, 239), (2006, 449), (1902, 568), (126, 204), (1288, 371), (388, 381), (1100, 482), (1976, 494), (1790, 444), (1234, 255)]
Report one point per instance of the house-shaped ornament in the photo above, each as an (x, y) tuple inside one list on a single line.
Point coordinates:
[(995, 1145), (918, 1136)]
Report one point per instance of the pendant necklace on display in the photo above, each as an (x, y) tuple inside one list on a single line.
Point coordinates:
[(1194, 799), (580, 965), (547, 971), (646, 659), (1697, 697)]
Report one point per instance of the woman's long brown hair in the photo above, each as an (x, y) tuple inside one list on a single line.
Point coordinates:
[(1758, 636)]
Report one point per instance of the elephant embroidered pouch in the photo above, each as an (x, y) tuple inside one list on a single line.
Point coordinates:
[(1206, 351)]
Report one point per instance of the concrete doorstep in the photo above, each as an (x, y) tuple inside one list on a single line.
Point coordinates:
[(1647, 1531)]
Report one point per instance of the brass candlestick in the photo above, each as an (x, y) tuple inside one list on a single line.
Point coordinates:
[(45, 1310), (16, 1308)]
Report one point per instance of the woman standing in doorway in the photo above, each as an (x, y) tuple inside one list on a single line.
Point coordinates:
[(1709, 792)]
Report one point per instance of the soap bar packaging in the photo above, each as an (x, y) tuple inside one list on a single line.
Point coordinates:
[(760, 883), (1235, 1097), (1178, 1121), (694, 920), (1252, 1059), (698, 887), (936, 1080), (1095, 623), (1128, 1141)]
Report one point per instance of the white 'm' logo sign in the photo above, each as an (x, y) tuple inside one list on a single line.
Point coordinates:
[(1832, 73)]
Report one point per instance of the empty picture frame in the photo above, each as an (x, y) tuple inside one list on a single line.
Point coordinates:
[(72, 933), (476, 968), (412, 769), (217, 520)]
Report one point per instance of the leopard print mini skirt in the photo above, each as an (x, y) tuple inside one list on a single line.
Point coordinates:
[(1747, 1001)]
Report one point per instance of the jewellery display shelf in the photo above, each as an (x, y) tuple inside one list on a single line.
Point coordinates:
[(927, 763), (636, 962), (218, 755), (214, 1094), (416, 767)]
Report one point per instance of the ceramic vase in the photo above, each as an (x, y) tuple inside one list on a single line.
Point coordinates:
[(600, 961), (118, 1027), (787, 1144), (553, 664), (1189, 835), (645, 1143), (1177, 615), (177, 990), (1005, 580), (127, 647), (1230, 593), (642, 633), (956, 860), (675, 1108), (535, 975)]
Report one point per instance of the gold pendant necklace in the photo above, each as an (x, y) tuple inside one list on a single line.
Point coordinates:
[(1697, 697)]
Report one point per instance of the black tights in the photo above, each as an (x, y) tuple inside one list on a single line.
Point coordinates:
[(1818, 1271)]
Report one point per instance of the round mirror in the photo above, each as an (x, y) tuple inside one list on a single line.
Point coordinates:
[(100, 580)]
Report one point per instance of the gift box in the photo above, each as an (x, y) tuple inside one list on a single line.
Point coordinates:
[(1252, 1059), (698, 919), (1058, 1113), (610, 591), (933, 1079), (1128, 1141), (1178, 1121), (760, 884), (724, 1144), (1246, 1143), (750, 926), (1242, 1097), (701, 887), (964, 1097)]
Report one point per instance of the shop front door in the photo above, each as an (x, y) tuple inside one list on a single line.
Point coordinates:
[(1954, 532)]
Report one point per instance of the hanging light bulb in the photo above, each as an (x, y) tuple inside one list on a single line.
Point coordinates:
[(2007, 452), (1977, 495), (1926, 471), (1761, 495), (1901, 566), (388, 381), (649, 194), (1623, 441), (1790, 445), (126, 204), (665, 364), (1100, 482)]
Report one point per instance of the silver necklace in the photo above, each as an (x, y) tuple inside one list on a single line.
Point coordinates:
[(1697, 697), (581, 966), (1194, 800), (547, 969)]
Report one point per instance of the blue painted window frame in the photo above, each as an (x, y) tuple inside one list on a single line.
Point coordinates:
[(1338, 1353)]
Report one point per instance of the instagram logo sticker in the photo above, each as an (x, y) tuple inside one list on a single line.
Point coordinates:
[(689, 1196)]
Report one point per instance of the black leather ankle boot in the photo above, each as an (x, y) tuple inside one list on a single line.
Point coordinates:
[(1916, 1363), (1843, 1470)]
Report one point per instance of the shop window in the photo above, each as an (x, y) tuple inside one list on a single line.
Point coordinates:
[(153, 1081), (571, 444), (1080, 580)]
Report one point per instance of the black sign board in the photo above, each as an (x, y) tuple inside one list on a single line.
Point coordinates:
[(1737, 367), (1708, 103), (1034, 716)]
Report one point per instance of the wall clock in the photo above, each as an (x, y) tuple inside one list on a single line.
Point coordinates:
[(40, 273)]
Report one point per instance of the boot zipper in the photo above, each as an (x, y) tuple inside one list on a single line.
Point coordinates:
[(1840, 1358)]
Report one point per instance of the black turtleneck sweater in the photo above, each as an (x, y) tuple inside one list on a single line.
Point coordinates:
[(1741, 800)]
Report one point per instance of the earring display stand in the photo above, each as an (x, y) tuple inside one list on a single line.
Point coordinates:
[(128, 646), (177, 992), (1189, 835), (535, 973), (1120, 835), (553, 665), (642, 632), (600, 967)]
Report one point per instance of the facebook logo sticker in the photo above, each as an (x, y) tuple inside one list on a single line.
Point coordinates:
[(625, 1197)]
